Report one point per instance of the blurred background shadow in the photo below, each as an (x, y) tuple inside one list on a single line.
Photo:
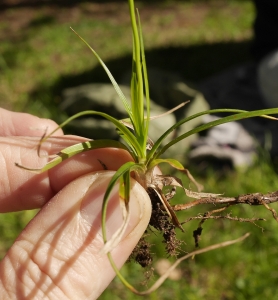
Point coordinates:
[(40, 56), (193, 63)]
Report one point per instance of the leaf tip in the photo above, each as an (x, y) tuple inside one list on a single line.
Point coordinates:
[(36, 171)]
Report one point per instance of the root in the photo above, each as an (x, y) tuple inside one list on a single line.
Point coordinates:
[(161, 221), (250, 199), (160, 281), (142, 253)]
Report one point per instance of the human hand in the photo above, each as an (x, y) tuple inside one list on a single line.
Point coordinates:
[(57, 256)]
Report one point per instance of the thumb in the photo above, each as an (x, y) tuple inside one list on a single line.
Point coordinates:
[(58, 256)]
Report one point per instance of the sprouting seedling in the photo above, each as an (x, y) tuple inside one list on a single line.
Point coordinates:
[(145, 153)]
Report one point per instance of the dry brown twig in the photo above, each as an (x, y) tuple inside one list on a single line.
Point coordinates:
[(250, 199), (228, 217)]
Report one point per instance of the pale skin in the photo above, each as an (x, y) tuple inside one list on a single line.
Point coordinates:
[(58, 255)]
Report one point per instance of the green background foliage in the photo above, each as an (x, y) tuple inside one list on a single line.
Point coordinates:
[(40, 56)]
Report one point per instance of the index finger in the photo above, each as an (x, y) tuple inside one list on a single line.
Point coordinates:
[(23, 190)]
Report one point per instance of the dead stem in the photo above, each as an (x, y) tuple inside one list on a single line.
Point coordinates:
[(209, 213), (225, 217), (274, 213), (197, 233), (251, 199)]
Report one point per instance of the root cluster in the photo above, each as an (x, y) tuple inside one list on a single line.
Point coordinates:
[(161, 222)]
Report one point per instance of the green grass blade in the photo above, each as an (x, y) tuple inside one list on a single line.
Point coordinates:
[(124, 191), (120, 276), (75, 149), (113, 81), (134, 92), (122, 174), (185, 120), (137, 81), (146, 81), (235, 117), (172, 162), (129, 136), (124, 196), (156, 145), (116, 177)]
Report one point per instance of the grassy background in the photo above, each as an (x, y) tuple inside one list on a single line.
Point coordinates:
[(40, 56)]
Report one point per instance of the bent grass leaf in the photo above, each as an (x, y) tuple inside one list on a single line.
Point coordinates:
[(236, 117), (124, 131), (75, 149), (124, 194), (113, 81), (122, 176), (116, 178), (177, 165)]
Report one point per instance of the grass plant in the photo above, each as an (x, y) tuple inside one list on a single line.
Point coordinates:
[(145, 159)]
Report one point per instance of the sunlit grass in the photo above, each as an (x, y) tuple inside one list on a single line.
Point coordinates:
[(45, 49)]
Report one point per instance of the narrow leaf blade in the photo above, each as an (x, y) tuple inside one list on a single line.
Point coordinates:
[(75, 149), (239, 115), (113, 81)]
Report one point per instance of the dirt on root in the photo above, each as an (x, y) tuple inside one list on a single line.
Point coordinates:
[(162, 223)]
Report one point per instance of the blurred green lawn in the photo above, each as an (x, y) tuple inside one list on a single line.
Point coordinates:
[(40, 56)]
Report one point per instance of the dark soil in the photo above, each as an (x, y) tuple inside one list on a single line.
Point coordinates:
[(160, 221)]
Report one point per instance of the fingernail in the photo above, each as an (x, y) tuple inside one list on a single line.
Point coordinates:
[(91, 207)]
